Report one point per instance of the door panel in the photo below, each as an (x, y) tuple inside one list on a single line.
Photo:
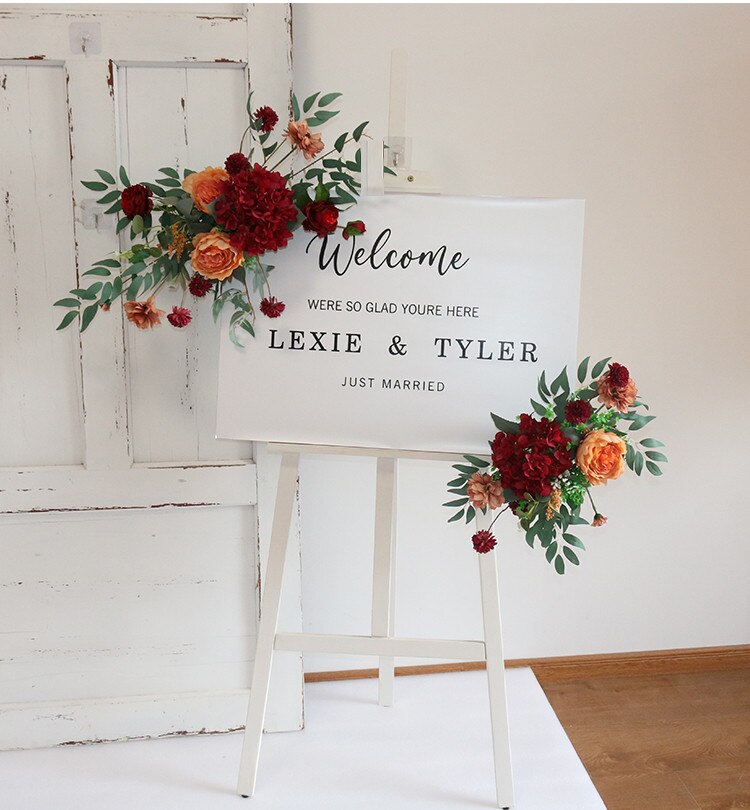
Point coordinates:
[(37, 265)]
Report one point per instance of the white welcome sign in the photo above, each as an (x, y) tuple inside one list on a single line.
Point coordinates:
[(408, 336)]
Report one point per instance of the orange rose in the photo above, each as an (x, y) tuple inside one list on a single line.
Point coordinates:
[(483, 491), (204, 187), (213, 256), (601, 456)]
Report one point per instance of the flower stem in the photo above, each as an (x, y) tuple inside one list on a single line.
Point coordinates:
[(593, 505), (312, 162)]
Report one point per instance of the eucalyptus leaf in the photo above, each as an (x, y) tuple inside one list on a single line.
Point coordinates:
[(651, 443), (94, 185), (559, 565), (654, 469), (88, 316), (67, 318), (582, 369), (124, 176), (106, 176), (655, 455), (571, 555), (599, 367)]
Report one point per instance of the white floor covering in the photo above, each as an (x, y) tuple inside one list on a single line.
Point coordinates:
[(431, 750)]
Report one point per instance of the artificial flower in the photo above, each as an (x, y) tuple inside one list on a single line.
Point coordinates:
[(272, 308), (143, 313), (266, 118), (136, 201), (577, 411), (354, 228), (483, 491), (257, 208), (213, 255), (236, 162), (321, 218), (205, 186), (199, 286), (616, 388), (300, 137), (601, 456), (483, 541), (180, 317)]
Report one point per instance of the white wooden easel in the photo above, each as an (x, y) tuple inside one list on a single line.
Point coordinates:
[(381, 642)]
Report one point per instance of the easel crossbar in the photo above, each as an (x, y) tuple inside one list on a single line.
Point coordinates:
[(381, 646)]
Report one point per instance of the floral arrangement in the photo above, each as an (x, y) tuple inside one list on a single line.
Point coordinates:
[(543, 469), (211, 231)]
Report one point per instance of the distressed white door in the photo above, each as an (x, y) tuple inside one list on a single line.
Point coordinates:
[(129, 536)]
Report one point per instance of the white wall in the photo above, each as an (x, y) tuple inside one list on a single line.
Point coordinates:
[(642, 111)]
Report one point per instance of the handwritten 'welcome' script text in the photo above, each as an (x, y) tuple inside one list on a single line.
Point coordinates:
[(375, 258)]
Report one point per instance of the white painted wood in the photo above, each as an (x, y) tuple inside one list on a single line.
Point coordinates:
[(140, 487), (269, 58), (109, 719), (124, 610), (372, 645), (384, 569), (36, 231), (285, 708), (493, 640), (270, 603), (327, 450)]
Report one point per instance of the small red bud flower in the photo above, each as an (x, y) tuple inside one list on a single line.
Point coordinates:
[(272, 308), (483, 541), (199, 285), (179, 317), (355, 228)]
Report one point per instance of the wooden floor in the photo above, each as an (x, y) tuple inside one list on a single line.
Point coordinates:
[(661, 741)]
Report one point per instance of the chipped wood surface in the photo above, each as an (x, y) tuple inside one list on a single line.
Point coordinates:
[(128, 537)]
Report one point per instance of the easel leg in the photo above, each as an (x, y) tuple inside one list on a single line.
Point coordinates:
[(383, 576), (493, 641), (269, 616)]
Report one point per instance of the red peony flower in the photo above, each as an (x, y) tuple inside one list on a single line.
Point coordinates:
[(236, 162), (271, 307), (321, 218), (179, 317), (266, 118), (578, 411), (483, 541), (256, 208), (136, 200), (199, 285), (530, 460), (355, 228)]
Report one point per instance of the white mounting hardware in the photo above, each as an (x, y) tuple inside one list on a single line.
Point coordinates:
[(85, 38), (93, 217), (397, 152)]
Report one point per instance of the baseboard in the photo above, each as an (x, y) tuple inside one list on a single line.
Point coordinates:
[(574, 667)]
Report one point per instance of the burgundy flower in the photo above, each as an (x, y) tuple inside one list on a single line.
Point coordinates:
[(529, 461), (136, 200), (483, 541), (355, 228), (266, 118), (199, 285), (179, 317), (578, 411), (256, 208), (236, 162), (321, 218), (271, 307), (618, 375)]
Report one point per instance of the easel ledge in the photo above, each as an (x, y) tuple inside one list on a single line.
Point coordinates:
[(372, 452)]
